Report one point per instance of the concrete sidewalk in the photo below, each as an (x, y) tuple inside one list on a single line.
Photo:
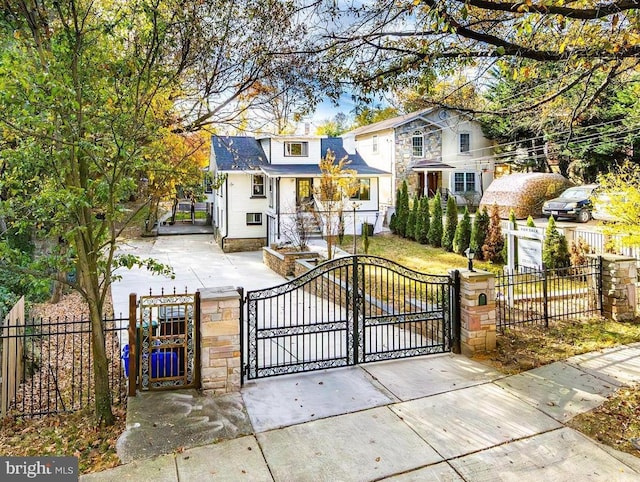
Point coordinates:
[(439, 417)]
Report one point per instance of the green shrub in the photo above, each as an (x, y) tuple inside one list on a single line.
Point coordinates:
[(410, 230), (435, 228), (555, 251), (403, 210), (450, 225), (425, 221), (462, 238), (479, 231)]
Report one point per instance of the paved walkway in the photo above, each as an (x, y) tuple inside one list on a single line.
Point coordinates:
[(441, 417)]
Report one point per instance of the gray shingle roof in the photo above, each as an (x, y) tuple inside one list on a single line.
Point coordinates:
[(236, 153)]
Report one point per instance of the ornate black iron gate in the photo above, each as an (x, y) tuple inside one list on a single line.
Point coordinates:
[(346, 311)]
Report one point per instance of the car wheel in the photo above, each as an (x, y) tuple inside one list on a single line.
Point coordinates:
[(584, 216)]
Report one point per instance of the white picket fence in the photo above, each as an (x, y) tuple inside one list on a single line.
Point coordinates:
[(599, 242)]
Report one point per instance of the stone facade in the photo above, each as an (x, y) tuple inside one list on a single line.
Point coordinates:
[(478, 321), (619, 275), (220, 361), (432, 149), (235, 245), (283, 262)]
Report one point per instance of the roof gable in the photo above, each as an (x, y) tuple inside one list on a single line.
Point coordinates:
[(398, 121)]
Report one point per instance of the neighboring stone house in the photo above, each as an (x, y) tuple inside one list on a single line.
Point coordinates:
[(267, 181), (432, 149)]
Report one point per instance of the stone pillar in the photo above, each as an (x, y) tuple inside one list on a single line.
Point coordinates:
[(619, 276), (477, 312), (220, 339)]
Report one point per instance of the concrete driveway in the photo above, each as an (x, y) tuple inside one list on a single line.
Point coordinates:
[(198, 262)]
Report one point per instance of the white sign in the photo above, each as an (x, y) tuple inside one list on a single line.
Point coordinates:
[(529, 253)]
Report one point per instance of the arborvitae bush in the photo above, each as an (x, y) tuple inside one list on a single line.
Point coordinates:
[(410, 230), (463, 233), (479, 231), (451, 223), (403, 214), (365, 238), (555, 251), (530, 223), (435, 227), (425, 221), (493, 243)]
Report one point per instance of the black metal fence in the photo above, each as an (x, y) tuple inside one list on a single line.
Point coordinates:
[(536, 296), (55, 365)]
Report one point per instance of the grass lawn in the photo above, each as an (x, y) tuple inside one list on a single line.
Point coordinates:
[(414, 255)]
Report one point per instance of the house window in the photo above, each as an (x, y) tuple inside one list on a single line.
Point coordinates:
[(464, 182), (374, 144), (364, 190), (254, 219), (296, 149), (257, 185), (465, 142), (417, 144)]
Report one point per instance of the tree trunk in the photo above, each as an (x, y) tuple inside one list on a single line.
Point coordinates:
[(100, 370)]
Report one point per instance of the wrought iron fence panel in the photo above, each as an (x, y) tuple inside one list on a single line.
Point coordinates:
[(57, 373), (528, 296)]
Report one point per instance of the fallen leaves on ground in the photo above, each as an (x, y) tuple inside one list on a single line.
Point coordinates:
[(75, 434), (71, 434)]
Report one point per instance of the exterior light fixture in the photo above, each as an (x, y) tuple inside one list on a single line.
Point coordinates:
[(470, 254)]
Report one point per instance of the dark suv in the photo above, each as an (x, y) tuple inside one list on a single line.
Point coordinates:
[(575, 203)]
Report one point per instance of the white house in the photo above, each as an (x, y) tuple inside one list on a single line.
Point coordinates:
[(267, 182), (432, 149)]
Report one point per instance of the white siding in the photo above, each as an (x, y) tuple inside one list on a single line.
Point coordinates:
[(240, 203)]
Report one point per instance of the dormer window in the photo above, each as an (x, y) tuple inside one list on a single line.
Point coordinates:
[(417, 144), (296, 149)]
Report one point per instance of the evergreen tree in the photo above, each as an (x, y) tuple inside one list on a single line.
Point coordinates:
[(394, 217), (435, 227), (530, 223), (410, 230), (462, 238), (492, 247), (451, 223), (479, 231), (403, 210), (555, 251), (425, 221), (365, 238)]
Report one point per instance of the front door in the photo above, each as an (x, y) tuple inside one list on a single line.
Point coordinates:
[(432, 183), (304, 191)]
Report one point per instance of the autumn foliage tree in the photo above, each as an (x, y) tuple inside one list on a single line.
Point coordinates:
[(494, 241), (336, 186)]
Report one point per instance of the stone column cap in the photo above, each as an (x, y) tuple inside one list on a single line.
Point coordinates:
[(218, 292)]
